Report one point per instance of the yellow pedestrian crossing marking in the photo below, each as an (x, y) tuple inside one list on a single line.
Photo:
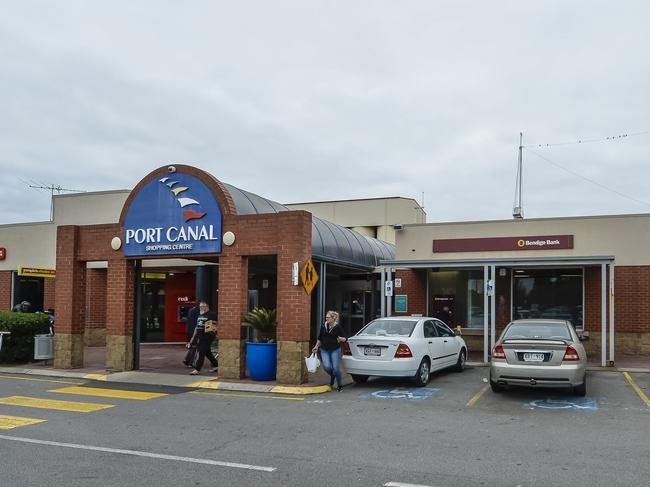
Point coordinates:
[(117, 393), (35, 402), (11, 422)]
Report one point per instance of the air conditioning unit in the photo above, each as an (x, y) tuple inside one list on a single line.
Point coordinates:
[(43, 347)]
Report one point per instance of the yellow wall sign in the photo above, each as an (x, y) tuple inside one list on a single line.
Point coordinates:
[(309, 276), (35, 272)]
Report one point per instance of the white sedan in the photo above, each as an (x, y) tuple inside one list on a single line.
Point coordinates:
[(403, 346)]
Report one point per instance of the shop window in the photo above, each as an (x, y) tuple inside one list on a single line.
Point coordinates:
[(456, 297), (548, 293), (30, 289)]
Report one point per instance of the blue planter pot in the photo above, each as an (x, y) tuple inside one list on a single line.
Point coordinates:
[(261, 360)]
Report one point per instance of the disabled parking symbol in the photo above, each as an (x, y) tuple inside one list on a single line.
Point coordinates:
[(577, 404), (404, 393)]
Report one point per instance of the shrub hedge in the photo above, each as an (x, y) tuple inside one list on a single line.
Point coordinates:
[(19, 346)]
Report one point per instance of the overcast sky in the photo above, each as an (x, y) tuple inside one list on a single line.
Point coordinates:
[(314, 100)]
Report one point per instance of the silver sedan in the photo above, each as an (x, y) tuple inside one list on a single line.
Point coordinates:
[(539, 353)]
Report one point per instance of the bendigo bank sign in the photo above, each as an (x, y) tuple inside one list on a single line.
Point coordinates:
[(176, 214), (541, 242)]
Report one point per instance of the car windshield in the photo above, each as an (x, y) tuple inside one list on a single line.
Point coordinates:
[(389, 328), (556, 331)]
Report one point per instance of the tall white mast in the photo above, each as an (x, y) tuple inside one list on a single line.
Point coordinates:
[(517, 207)]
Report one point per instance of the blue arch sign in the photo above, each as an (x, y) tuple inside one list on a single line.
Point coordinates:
[(176, 214)]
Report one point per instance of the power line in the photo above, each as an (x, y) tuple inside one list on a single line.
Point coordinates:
[(611, 138), (588, 179)]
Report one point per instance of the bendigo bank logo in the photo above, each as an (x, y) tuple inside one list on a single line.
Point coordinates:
[(154, 224)]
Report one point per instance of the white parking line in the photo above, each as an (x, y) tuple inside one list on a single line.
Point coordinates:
[(140, 454), (402, 484)]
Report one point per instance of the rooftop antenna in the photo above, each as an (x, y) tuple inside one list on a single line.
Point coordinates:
[(52, 188), (517, 207), (422, 206)]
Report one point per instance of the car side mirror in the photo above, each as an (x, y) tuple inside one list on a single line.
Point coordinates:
[(583, 338)]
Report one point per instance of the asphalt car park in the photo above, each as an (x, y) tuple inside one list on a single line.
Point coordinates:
[(609, 394)]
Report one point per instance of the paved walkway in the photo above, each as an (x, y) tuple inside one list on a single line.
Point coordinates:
[(161, 364)]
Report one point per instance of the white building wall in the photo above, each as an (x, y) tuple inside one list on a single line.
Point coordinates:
[(627, 237), (28, 244), (89, 208)]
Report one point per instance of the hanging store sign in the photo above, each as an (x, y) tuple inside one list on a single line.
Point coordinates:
[(36, 272), (543, 242), (177, 214)]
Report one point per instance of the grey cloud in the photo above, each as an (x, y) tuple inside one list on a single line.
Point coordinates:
[(330, 100)]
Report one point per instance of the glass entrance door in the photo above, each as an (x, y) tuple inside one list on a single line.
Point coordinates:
[(152, 323)]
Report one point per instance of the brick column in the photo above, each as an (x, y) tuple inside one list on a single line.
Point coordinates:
[(233, 304), (414, 285), (294, 304), (5, 290), (49, 286), (119, 314), (69, 300)]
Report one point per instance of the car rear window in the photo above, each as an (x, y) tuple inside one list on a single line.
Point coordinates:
[(389, 328), (546, 331)]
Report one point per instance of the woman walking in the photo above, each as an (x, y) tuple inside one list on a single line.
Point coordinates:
[(329, 342)]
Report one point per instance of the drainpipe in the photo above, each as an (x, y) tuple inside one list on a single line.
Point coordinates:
[(611, 315), (485, 313), (603, 315), (382, 297)]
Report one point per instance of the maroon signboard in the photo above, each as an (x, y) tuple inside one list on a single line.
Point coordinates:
[(3, 253), (540, 242)]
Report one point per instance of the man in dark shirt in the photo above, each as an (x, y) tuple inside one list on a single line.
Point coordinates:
[(204, 338)]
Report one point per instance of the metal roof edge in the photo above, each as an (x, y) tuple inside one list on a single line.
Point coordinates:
[(594, 259), (343, 263)]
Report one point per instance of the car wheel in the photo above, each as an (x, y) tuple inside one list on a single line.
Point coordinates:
[(496, 387), (581, 390), (359, 379), (422, 375), (462, 357)]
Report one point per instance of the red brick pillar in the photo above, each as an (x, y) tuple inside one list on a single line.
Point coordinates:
[(119, 314), (69, 300), (49, 286), (95, 334), (5, 290), (414, 286), (294, 304), (233, 304)]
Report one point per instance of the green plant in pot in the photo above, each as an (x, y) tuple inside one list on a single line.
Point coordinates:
[(262, 354), (264, 322)]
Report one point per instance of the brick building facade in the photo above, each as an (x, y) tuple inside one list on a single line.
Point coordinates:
[(536, 268)]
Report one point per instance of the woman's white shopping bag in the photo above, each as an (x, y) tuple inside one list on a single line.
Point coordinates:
[(312, 363)]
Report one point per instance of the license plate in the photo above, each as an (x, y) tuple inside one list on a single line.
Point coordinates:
[(374, 351), (533, 357)]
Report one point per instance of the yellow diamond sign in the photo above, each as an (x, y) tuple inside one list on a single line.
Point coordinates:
[(308, 276)]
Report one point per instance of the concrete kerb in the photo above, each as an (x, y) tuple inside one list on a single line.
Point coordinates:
[(147, 378)]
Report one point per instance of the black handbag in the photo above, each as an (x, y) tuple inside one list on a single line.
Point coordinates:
[(190, 357)]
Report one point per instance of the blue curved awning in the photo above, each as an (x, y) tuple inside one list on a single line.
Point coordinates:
[(330, 242)]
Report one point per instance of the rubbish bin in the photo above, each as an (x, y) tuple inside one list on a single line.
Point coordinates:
[(43, 347), (2, 334)]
